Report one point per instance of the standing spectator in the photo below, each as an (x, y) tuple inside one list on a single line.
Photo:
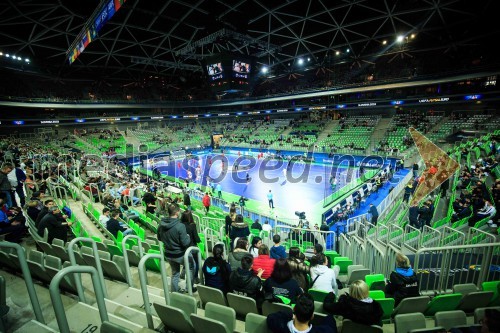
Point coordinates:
[(188, 221), (238, 253), (299, 320), (5, 186), (356, 305), (174, 236), (374, 213), (267, 227), (243, 281), (55, 224), (230, 218), (206, 203), (415, 170), (263, 261), (323, 278), (413, 215), (403, 281), (408, 192), (17, 177), (270, 199), (277, 250), (187, 200), (216, 270), (281, 284)]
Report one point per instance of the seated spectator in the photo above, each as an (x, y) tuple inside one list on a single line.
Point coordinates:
[(277, 251), (32, 210), (113, 225), (56, 225), (238, 253), (403, 281), (46, 205), (490, 322), (243, 281), (356, 305), (254, 249), (487, 211), (264, 262), (216, 270), (104, 218), (239, 228), (256, 225), (11, 227), (318, 248), (281, 286), (298, 267), (323, 278), (299, 320)]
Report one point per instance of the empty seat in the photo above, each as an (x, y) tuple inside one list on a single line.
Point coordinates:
[(174, 319), (185, 303), (348, 326), (357, 274), (221, 313), (375, 281), (403, 323), (268, 308), (476, 299), (204, 325), (411, 305), (387, 305), (447, 302), (255, 323), (351, 268), (209, 294), (114, 269), (495, 287), (242, 305), (464, 288), (36, 265), (318, 295), (449, 319), (376, 294)]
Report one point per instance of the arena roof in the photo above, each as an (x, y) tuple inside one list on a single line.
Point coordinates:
[(149, 37)]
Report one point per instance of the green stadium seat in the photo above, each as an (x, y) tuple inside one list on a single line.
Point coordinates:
[(447, 302)]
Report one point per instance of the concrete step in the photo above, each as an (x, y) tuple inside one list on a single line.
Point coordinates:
[(34, 326)]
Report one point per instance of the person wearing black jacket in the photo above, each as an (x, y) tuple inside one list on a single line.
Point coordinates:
[(186, 199), (46, 205), (413, 216), (113, 225), (425, 216), (299, 320), (55, 224), (188, 221), (403, 281), (243, 282), (216, 270), (356, 305)]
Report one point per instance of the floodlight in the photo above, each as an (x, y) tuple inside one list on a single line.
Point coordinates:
[(301, 61), (264, 69)]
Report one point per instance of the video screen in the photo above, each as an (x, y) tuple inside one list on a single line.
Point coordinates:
[(241, 66), (214, 69)]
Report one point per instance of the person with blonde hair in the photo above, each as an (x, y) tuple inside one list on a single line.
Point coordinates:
[(356, 305), (403, 281)]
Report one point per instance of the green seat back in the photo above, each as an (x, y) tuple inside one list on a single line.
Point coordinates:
[(387, 305), (343, 264), (369, 279), (318, 295), (448, 302), (377, 294), (495, 287)]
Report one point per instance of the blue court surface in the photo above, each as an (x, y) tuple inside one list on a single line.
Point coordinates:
[(303, 189)]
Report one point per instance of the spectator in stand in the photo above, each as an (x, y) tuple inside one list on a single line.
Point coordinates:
[(254, 249), (355, 305), (403, 281), (13, 229), (281, 284), (323, 278), (277, 250), (299, 320), (488, 211), (256, 225), (188, 221), (17, 177), (238, 253), (239, 229), (230, 218), (5, 186), (206, 203), (299, 269), (32, 210), (46, 206), (56, 225), (105, 216), (187, 200), (216, 270), (113, 225), (374, 214), (491, 321), (173, 234), (267, 227), (263, 261), (243, 281)]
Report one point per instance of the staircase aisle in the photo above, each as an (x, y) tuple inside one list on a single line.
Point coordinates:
[(378, 133)]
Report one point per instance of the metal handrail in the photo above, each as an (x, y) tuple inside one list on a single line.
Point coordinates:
[(72, 259), (55, 294), (186, 267), (125, 256), (144, 284), (21, 255)]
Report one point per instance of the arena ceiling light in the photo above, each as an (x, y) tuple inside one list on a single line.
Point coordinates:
[(301, 61), (264, 70)]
